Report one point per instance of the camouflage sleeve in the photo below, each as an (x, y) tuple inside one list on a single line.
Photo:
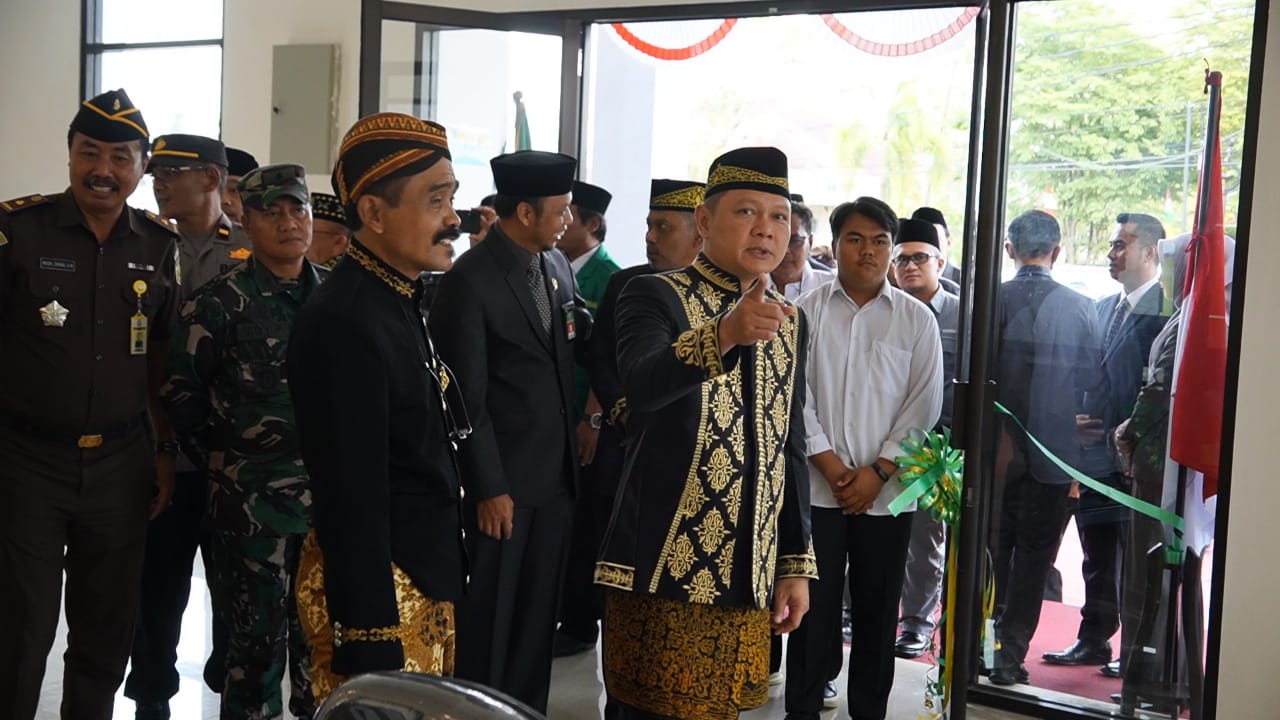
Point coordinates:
[(195, 352)]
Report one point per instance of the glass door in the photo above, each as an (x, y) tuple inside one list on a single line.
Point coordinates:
[(1095, 554)]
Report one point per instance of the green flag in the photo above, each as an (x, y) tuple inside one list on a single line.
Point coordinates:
[(523, 141)]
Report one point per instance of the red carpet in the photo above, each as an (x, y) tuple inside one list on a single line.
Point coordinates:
[(1057, 630)]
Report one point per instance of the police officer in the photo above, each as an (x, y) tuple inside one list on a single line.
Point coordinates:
[(228, 396), (88, 296), (188, 174), (330, 235)]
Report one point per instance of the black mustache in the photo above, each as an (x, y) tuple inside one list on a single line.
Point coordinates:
[(103, 182), (449, 234)]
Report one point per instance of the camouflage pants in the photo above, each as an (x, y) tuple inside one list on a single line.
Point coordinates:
[(253, 592)]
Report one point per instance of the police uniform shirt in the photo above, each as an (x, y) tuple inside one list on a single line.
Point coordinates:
[(205, 258), (66, 305)]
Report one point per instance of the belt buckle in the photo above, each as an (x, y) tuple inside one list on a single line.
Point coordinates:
[(88, 442)]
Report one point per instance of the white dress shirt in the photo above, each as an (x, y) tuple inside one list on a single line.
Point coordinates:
[(578, 262), (874, 376), (810, 279)]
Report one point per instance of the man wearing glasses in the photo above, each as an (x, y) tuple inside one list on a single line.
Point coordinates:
[(918, 261), (330, 235), (188, 172), (228, 395), (796, 275), (379, 416)]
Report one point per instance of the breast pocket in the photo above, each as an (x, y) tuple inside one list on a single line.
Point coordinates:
[(889, 368)]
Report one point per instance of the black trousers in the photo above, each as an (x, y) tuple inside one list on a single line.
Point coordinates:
[(1103, 527), (1033, 516), (581, 600), (172, 541), (85, 512), (507, 620), (875, 547)]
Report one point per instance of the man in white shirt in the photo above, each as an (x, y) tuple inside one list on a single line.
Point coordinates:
[(796, 275), (875, 377)]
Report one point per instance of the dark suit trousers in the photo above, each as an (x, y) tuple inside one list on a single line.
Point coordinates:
[(506, 623), (172, 541), (1033, 516), (581, 600), (91, 505), (1102, 539), (875, 547)]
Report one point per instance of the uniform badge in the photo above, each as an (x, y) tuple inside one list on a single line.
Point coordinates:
[(239, 254), (555, 284), (570, 321), (54, 315), (138, 323)]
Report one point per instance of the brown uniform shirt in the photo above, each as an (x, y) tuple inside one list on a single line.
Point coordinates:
[(78, 378)]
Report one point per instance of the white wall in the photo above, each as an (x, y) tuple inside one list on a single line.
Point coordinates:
[(252, 27), (1250, 638), (40, 59)]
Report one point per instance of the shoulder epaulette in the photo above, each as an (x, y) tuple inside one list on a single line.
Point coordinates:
[(23, 203), (166, 224)]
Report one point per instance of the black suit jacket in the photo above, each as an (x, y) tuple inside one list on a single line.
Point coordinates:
[(1049, 358), (375, 440), (517, 380)]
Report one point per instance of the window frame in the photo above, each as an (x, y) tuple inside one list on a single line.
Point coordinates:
[(92, 49)]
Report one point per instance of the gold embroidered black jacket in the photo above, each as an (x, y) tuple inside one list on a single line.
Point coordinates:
[(714, 499)]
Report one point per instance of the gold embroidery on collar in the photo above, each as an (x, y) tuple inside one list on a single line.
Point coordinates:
[(733, 174), (393, 279), (717, 276)]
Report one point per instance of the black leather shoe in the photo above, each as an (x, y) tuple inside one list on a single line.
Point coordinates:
[(152, 711), (1010, 675), (1111, 669), (566, 645), (910, 645), (1081, 652)]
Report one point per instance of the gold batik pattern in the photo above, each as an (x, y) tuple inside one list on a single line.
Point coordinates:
[(426, 629), (679, 660), (699, 550)]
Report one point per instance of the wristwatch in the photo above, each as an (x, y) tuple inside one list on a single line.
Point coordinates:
[(595, 420), (884, 476)]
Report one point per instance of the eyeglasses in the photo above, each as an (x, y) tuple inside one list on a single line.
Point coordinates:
[(918, 259), (166, 173)]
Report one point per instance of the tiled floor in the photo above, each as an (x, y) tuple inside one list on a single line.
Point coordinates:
[(576, 691)]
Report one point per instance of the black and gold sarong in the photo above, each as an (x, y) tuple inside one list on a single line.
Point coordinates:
[(685, 660), (426, 629)]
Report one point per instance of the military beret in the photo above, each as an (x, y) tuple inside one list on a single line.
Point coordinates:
[(533, 174), (591, 197), (239, 162), (110, 117), (750, 168), (677, 195), (384, 146)]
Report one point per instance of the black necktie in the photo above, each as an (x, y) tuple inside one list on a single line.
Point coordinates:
[(1118, 317), (538, 286)]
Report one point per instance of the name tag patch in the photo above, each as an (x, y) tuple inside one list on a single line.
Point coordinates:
[(58, 264), (142, 267)]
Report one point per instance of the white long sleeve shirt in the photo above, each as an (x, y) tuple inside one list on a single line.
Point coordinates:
[(874, 375)]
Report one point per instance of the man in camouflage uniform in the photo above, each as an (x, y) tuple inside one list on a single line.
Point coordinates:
[(229, 396)]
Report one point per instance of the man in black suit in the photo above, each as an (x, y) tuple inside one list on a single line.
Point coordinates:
[(671, 242), (1048, 359), (508, 320), (950, 273), (1129, 322)]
